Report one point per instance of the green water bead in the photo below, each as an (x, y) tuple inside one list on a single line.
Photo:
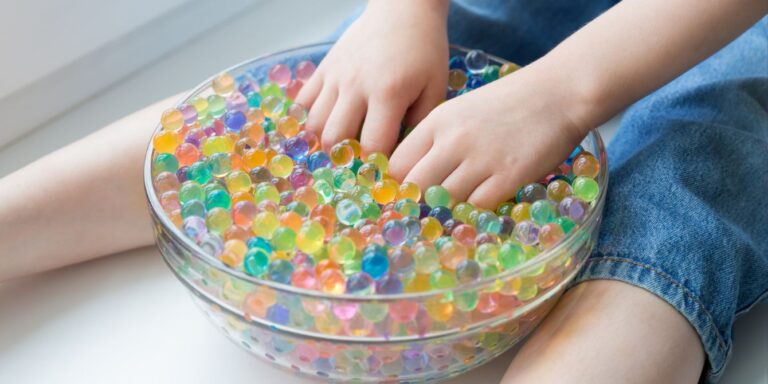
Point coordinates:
[(348, 212), (487, 253), (217, 199), (407, 207), (374, 312), (324, 191), (442, 279), (267, 191), (488, 270), (437, 196), (256, 261), (271, 89), (511, 255), (165, 162), (371, 211), (426, 259), (324, 174), (217, 105), (218, 220), (565, 222), (355, 165), (284, 239), (193, 207), (298, 207), (462, 210), (543, 212), (361, 194), (490, 73), (190, 190), (505, 209), (368, 175), (488, 222), (342, 250), (344, 178), (585, 188), (466, 301), (199, 172), (221, 164)]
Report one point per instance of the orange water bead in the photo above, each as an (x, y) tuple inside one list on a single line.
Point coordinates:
[(255, 117), (187, 154), (288, 126), (409, 190), (253, 158), (420, 283), (172, 119), (586, 165), (233, 253), (357, 149), (384, 191), (324, 265), (243, 212), (291, 220), (369, 230), (332, 281), (356, 237), (326, 224), (237, 232), (324, 211), (253, 131), (306, 195), (244, 145), (223, 84), (270, 154), (176, 218), (241, 196), (236, 161)]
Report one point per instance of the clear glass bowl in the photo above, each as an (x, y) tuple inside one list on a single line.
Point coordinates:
[(413, 337)]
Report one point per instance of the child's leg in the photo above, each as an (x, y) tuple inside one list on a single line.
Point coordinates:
[(79, 202), (686, 220)]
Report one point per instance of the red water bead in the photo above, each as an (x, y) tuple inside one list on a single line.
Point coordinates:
[(323, 210), (279, 74), (281, 184), (170, 201), (304, 277), (293, 88), (243, 213), (237, 232), (465, 234), (488, 302), (219, 128), (403, 311), (356, 237), (187, 154)]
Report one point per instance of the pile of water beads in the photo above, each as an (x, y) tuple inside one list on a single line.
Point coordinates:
[(238, 174)]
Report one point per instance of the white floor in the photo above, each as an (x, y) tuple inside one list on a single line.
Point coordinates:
[(124, 318)]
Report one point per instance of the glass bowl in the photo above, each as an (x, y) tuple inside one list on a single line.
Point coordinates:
[(410, 337)]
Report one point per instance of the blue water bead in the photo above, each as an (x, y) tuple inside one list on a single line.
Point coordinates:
[(442, 214), (259, 242), (245, 85), (412, 225), (394, 232), (389, 284), (324, 366), (234, 120), (424, 210), (375, 264), (488, 222), (475, 82), (296, 148), (193, 207), (280, 270), (457, 62), (279, 314), (318, 160), (254, 100), (360, 283)]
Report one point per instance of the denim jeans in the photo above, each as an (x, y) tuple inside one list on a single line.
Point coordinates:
[(686, 215)]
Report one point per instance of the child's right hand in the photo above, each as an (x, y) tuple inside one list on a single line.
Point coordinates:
[(388, 67)]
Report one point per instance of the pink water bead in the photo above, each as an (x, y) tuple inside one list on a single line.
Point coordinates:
[(280, 74), (304, 70)]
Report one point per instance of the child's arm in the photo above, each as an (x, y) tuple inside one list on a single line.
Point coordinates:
[(390, 63), (483, 145), (79, 202)]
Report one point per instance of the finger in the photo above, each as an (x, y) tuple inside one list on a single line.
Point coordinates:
[(382, 126), (309, 92), (461, 182), (413, 148), (322, 107), (492, 191), (432, 169), (345, 119), (427, 101)]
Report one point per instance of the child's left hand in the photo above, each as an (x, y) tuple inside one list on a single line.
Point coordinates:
[(482, 146)]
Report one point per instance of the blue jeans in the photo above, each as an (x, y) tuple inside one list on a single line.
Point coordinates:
[(686, 215)]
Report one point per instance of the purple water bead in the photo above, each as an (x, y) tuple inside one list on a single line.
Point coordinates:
[(414, 360), (574, 208), (531, 193), (300, 177), (237, 102), (278, 313), (181, 174), (507, 225), (394, 232), (360, 283), (194, 227), (389, 284), (296, 148), (424, 210), (527, 232), (189, 113)]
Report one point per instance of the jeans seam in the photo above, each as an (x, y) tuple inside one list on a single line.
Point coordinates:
[(699, 305)]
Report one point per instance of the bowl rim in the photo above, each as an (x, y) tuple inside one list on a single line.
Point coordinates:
[(156, 209)]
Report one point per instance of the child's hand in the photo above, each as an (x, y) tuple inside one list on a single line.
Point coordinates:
[(389, 64), (482, 146)]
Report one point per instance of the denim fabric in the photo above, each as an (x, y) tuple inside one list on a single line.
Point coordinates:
[(686, 215)]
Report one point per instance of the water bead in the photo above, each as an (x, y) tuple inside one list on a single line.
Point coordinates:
[(342, 154), (437, 196), (360, 283), (380, 160), (280, 271), (457, 79), (284, 239), (566, 224), (543, 211), (474, 82), (296, 148), (165, 141), (344, 179), (304, 277), (550, 234), (452, 253), (389, 284), (375, 264), (457, 62), (426, 259), (218, 220), (281, 166), (368, 174), (172, 119), (233, 253), (272, 107), (384, 191), (507, 68), (217, 199), (441, 213), (585, 188), (531, 192), (223, 84), (527, 232), (279, 74), (217, 105), (488, 222), (288, 126), (234, 120), (192, 208), (190, 190), (586, 165), (394, 232), (217, 144), (574, 208), (431, 228), (476, 61), (521, 212), (490, 73), (558, 189), (304, 70), (407, 207), (348, 212), (511, 255), (318, 160), (264, 224), (332, 281), (187, 154)]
